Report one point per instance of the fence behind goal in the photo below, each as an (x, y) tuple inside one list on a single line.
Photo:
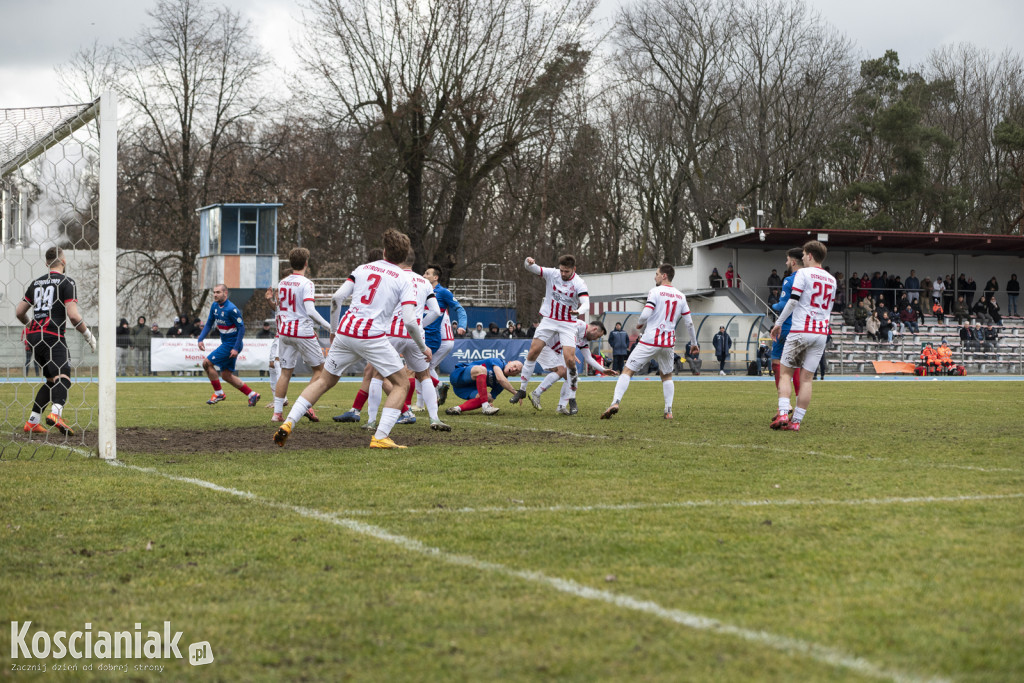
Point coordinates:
[(58, 188)]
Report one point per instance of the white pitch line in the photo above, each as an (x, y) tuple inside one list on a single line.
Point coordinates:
[(619, 507), (790, 646), (760, 447)]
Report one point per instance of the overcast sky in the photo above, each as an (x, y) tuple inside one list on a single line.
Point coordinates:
[(39, 34)]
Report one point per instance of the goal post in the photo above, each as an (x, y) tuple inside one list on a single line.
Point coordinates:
[(58, 187)]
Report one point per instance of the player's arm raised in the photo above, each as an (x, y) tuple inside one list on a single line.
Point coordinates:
[(532, 266)]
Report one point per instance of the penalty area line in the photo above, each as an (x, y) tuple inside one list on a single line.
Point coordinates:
[(785, 644)]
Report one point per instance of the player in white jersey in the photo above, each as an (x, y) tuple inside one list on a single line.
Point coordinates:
[(665, 306), (427, 311), (376, 290), (296, 337), (810, 305), (565, 301), (552, 360)]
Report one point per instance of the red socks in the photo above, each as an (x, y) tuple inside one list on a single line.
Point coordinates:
[(796, 381), (408, 394), (244, 389), (360, 401), (482, 396), (436, 381), (216, 384)]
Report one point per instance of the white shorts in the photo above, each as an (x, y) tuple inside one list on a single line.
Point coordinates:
[(411, 353), (803, 350), (643, 353), (550, 360), (378, 352), (442, 352), (273, 350), (294, 349), (550, 331)]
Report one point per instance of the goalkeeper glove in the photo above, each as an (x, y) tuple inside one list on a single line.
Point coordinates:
[(91, 340)]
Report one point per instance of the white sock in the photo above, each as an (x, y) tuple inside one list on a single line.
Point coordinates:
[(784, 406), (57, 409), (219, 392), (388, 418), (35, 418), (565, 393), (573, 375), (620, 388), (275, 374), (278, 404), (299, 409), (528, 367), (669, 389), (798, 414), (252, 392), (549, 379), (429, 394), (373, 402)]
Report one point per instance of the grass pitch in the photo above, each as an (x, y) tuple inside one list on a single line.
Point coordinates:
[(884, 541)]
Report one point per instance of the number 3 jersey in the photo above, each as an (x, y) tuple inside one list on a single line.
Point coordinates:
[(48, 295), (378, 289), (814, 290)]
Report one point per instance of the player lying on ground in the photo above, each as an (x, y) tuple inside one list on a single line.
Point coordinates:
[(665, 306), (470, 381)]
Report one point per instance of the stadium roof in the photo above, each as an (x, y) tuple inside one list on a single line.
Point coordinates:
[(874, 241)]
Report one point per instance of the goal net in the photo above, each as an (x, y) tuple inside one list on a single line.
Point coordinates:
[(58, 189)]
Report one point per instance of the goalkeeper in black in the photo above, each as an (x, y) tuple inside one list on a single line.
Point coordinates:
[(52, 300)]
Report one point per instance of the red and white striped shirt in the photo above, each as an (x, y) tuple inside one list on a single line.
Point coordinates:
[(447, 333), (667, 306), (561, 298), (378, 288), (423, 292), (292, 294), (815, 291)]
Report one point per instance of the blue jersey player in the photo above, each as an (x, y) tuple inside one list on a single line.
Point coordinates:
[(794, 260), (228, 319), (479, 382), (440, 334)]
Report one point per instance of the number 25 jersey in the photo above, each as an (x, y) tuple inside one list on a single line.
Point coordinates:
[(815, 289)]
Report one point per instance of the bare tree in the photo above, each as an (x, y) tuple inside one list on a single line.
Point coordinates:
[(189, 82), (455, 85)]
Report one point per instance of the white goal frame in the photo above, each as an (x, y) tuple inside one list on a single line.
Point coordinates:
[(104, 109)]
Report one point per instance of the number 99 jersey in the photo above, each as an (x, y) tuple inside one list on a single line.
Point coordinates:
[(814, 290), (48, 295)]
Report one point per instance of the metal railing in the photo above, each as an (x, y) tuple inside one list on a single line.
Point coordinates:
[(469, 291)]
